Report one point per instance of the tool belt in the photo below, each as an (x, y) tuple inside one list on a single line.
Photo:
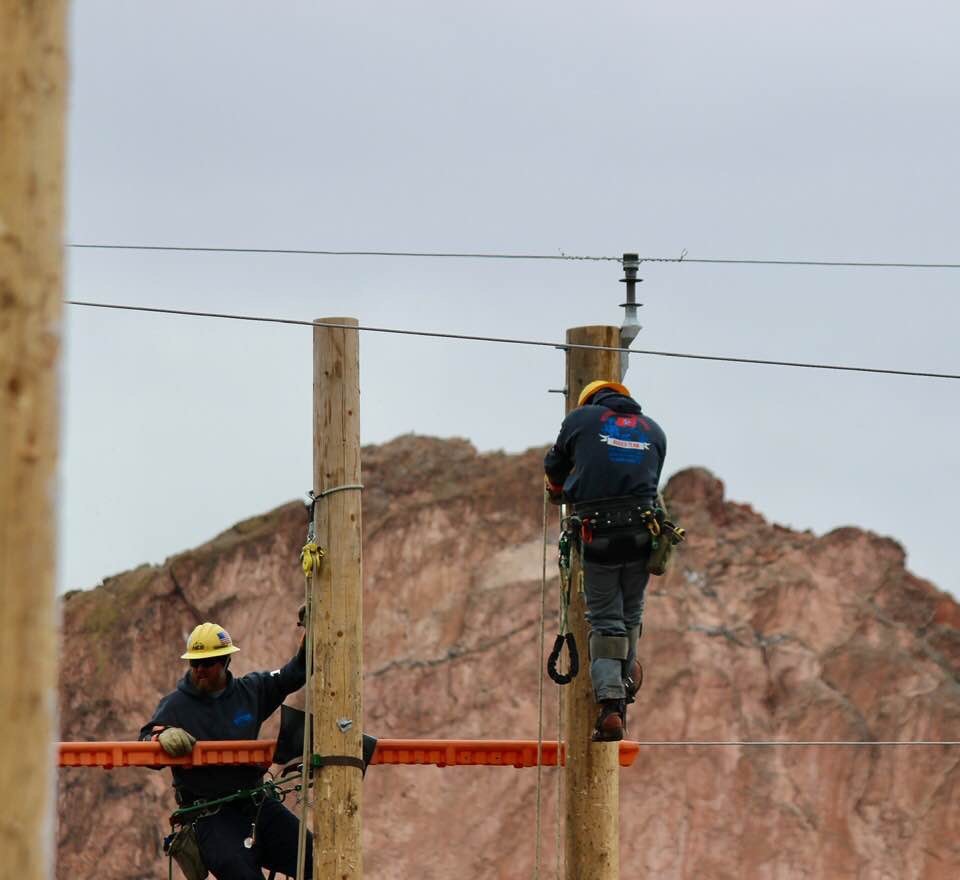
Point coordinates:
[(600, 518), (643, 520)]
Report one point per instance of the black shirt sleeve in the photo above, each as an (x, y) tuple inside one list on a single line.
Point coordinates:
[(558, 462), (275, 687), (163, 717)]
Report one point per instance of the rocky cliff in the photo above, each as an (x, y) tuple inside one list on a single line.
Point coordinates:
[(758, 633)]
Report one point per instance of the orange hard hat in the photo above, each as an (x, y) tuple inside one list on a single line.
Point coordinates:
[(599, 384)]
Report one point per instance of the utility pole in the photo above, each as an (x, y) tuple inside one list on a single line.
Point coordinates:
[(32, 111), (592, 774), (337, 619)]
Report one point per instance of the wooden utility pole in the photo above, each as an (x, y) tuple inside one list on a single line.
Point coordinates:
[(592, 775), (32, 108), (337, 623)]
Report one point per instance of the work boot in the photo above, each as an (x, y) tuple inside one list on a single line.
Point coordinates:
[(633, 682), (610, 723)]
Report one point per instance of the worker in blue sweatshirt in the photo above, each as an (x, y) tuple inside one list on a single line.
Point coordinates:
[(248, 834), (606, 464)]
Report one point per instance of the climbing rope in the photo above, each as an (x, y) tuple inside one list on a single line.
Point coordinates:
[(564, 564), (310, 557), (560, 744), (543, 615), (567, 542)]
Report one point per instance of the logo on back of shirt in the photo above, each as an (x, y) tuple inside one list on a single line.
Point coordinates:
[(624, 437)]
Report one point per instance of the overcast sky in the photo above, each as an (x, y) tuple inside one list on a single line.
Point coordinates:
[(747, 129)]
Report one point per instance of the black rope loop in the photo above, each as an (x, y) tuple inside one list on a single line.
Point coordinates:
[(563, 677)]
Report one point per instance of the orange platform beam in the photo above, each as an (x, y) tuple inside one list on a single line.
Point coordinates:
[(439, 752)]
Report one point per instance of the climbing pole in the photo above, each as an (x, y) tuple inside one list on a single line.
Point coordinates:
[(33, 93), (592, 780), (336, 623)]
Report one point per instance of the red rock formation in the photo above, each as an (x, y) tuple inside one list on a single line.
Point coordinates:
[(758, 633)]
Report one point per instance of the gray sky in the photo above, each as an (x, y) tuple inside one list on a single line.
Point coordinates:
[(747, 129)]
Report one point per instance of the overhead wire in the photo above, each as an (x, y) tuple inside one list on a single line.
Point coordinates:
[(336, 253), (515, 341), (481, 255)]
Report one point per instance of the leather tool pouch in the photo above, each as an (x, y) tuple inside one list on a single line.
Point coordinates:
[(185, 851), (662, 546)]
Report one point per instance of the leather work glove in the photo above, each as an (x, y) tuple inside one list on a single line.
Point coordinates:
[(176, 742), (554, 492)]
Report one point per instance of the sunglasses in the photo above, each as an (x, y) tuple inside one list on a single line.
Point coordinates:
[(206, 662)]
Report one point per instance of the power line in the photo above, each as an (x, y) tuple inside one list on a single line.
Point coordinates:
[(513, 341), (850, 264), (683, 258), (330, 253)]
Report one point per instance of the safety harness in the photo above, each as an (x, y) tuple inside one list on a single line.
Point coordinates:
[(181, 844), (603, 519)]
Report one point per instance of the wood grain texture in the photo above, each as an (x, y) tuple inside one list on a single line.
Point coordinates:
[(32, 107), (592, 778), (338, 602)]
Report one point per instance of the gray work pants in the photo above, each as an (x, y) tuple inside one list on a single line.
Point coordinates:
[(614, 597)]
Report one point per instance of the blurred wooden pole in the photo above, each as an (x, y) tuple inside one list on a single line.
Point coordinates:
[(33, 91), (592, 775), (337, 606)]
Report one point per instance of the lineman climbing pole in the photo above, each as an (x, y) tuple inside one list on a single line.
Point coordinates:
[(337, 620), (32, 107), (592, 780)]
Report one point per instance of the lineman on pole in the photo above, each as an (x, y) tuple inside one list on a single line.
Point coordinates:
[(606, 463), (253, 830)]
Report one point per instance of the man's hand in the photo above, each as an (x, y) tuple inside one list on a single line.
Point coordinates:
[(176, 742), (554, 491)]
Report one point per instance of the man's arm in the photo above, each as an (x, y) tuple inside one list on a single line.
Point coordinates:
[(276, 686), (558, 462), (163, 728), (163, 717)]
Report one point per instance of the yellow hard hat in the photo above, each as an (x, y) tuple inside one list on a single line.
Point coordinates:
[(209, 640), (596, 385)]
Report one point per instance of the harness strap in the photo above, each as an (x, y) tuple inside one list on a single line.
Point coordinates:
[(603, 647), (185, 813), (338, 761)]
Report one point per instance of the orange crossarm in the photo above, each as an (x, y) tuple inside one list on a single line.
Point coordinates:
[(439, 752), (150, 754)]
